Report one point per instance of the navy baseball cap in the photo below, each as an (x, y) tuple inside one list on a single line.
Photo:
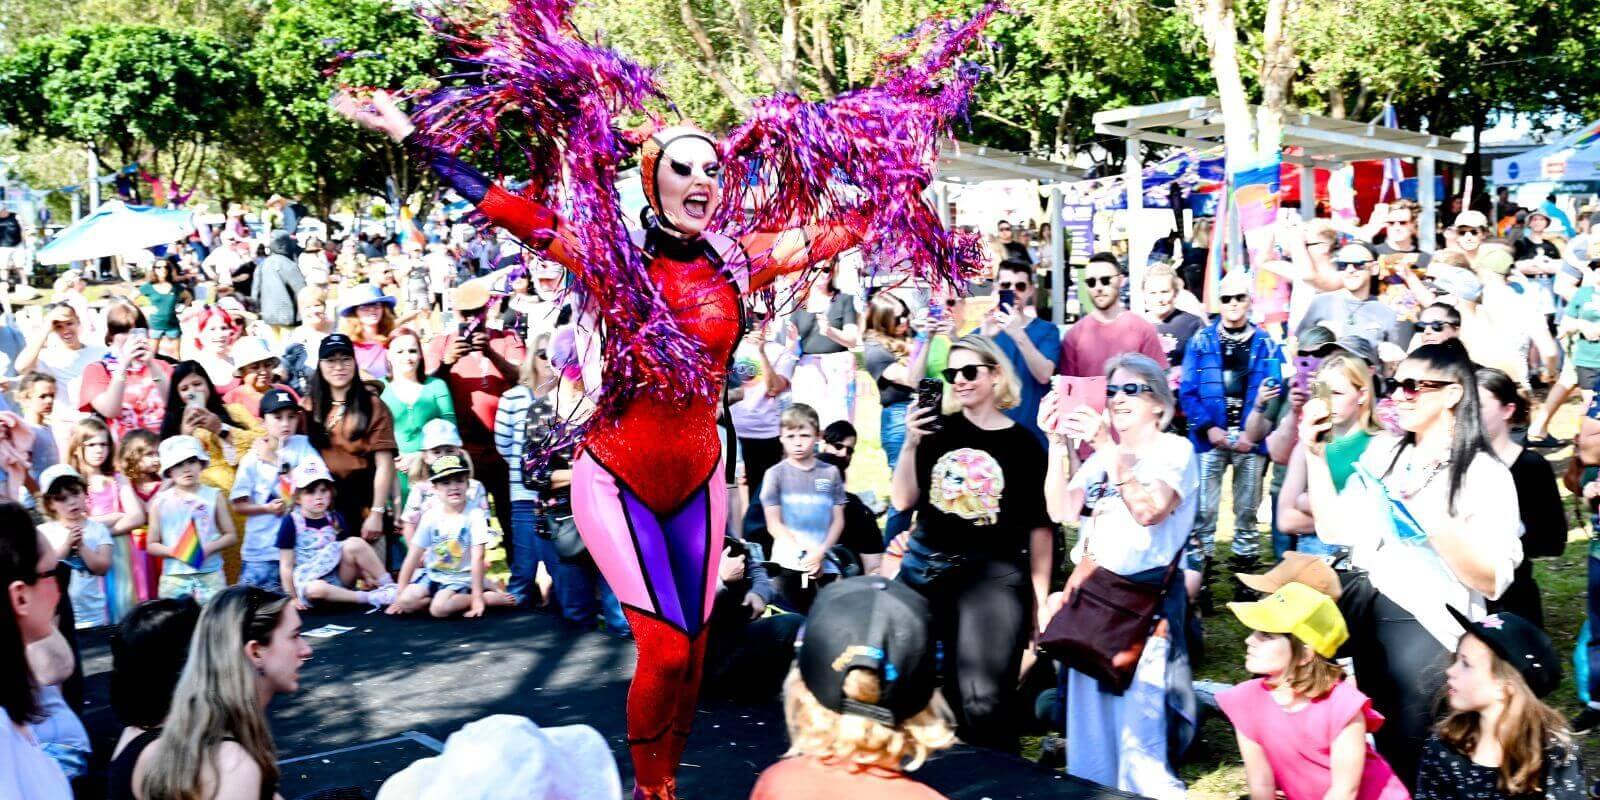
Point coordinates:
[(336, 344), (278, 398), (869, 622)]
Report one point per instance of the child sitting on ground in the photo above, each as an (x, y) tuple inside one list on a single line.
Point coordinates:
[(861, 702), (1302, 727), (804, 503), (448, 544), (190, 524), (313, 564), (262, 489), (80, 542), (1499, 739)]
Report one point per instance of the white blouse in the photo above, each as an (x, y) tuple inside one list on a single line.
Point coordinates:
[(1111, 535)]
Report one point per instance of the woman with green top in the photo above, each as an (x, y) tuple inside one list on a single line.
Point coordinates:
[(414, 400), (1346, 383), (163, 296)]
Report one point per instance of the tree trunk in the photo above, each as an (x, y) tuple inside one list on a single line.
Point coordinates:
[(708, 55), (752, 42), (1277, 71), (1336, 102), (789, 47), (1216, 19)]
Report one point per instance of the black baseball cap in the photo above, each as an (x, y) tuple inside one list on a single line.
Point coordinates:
[(278, 398), (869, 622), (336, 344), (1526, 648)]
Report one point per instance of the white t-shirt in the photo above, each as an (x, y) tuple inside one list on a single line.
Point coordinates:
[(257, 481), (1415, 576), (447, 540), (87, 590), (67, 367), (29, 774), (1111, 535)]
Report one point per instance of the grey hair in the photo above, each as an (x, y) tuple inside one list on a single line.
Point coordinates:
[(1151, 373)]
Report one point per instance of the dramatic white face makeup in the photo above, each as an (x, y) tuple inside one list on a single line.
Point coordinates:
[(686, 183)]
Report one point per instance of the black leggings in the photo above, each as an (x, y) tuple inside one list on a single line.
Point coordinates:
[(759, 455), (1401, 668), (982, 619)]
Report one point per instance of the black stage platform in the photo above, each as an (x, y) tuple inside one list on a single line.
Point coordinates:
[(391, 689)]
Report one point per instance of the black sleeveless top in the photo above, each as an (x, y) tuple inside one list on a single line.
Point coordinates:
[(119, 780)]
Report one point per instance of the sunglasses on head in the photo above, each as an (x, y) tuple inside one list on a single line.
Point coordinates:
[(1129, 389), (969, 372), (1345, 265), (1103, 280), (1411, 387), (1234, 298), (1435, 326)]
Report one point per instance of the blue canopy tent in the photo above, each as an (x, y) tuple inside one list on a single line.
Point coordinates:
[(1571, 158), (114, 229)]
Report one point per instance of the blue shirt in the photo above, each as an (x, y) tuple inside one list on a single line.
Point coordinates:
[(1047, 339)]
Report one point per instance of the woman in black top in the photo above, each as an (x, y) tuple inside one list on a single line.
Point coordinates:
[(148, 651), (897, 362), (976, 479), (246, 650), (1544, 521), (824, 378)]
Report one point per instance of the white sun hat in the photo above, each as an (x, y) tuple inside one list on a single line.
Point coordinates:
[(506, 757)]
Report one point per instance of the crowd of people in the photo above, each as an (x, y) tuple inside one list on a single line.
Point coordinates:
[(267, 423)]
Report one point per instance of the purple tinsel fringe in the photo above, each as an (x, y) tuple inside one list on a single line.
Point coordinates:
[(534, 84)]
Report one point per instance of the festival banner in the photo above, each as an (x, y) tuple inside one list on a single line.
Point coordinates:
[(1255, 197)]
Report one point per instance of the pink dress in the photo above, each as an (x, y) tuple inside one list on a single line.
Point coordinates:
[(1298, 744)]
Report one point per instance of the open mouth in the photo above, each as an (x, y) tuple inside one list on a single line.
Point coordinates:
[(697, 205)]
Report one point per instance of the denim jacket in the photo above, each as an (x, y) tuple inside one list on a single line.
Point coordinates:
[(1201, 392)]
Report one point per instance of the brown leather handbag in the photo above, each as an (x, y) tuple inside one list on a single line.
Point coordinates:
[(1102, 627)]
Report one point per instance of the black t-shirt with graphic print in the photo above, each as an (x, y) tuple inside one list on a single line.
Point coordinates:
[(982, 492)]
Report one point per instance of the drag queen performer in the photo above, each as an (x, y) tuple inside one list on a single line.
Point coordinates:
[(647, 492)]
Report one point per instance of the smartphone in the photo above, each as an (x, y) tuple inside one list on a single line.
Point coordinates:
[(1008, 298), (735, 547), (1322, 391), (930, 395), (936, 312), (139, 333), (1305, 369)]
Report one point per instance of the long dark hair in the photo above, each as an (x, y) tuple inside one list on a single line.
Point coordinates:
[(148, 651), (1449, 361), (1501, 387), (172, 421), (19, 561), (357, 409)]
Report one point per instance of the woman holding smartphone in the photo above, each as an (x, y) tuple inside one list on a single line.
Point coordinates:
[(897, 362), (1461, 552), (129, 387)]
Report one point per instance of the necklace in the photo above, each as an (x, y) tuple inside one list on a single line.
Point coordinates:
[(1417, 477)]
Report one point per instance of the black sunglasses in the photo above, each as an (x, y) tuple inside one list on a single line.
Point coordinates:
[(1015, 286), (544, 355), (33, 578), (1414, 386), (1129, 389), (849, 449), (1234, 298), (1103, 280), (1465, 231), (969, 372), (1345, 265), (1435, 326)]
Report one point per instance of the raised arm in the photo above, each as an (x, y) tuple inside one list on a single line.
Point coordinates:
[(533, 223), (782, 252)]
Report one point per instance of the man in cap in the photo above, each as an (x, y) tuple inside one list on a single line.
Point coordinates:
[(1538, 260), (480, 365), (1352, 310), (1470, 231), (1227, 363)]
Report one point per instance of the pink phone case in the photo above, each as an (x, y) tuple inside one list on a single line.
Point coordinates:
[(1305, 369), (1075, 393)]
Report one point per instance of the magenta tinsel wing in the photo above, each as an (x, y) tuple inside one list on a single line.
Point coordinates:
[(533, 85), (867, 153)]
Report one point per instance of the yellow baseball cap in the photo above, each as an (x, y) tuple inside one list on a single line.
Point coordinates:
[(1299, 611)]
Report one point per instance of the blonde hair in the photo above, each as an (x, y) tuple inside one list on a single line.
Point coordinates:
[(137, 444), (801, 415), (86, 429), (1167, 271), (1525, 728), (1356, 371), (311, 297), (419, 470), (1007, 390), (216, 699), (824, 733)]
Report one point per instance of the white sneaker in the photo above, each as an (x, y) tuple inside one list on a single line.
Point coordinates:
[(383, 595)]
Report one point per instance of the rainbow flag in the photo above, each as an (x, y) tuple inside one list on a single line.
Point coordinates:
[(188, 549)]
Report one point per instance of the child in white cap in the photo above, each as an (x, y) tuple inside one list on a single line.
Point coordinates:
[(313, 563), (187, 513)]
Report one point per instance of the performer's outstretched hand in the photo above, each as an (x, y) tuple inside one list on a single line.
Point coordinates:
[(379, 113)]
